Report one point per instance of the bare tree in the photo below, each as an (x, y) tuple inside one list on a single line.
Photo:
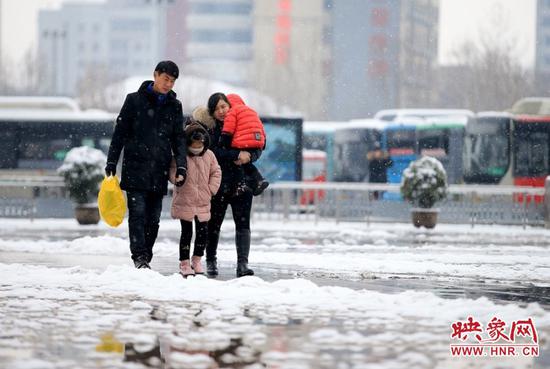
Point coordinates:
[(91, 87), (488, 74)]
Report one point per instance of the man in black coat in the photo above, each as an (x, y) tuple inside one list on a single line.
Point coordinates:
[(150, 130), (379, 162)]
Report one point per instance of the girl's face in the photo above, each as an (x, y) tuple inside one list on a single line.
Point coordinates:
[(221, 110), (197, 145)]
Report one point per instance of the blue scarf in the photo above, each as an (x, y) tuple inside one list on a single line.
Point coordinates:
[(161, 98)]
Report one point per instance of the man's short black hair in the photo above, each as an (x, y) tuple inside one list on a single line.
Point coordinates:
[(168, 67)]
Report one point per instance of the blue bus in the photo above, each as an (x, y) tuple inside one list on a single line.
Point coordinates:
[(399, 140)]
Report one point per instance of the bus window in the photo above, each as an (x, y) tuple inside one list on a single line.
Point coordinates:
[(532, 155), (486, 150), (87, 141), (42, 152), (433, 143), (401, 141), (314, 142), (8, 149)]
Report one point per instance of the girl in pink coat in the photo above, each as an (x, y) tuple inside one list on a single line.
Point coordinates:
[(191, 201)]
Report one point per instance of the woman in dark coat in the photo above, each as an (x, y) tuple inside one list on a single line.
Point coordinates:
[(241, 205)]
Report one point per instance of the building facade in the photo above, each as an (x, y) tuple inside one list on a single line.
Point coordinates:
[(384, 53), (219, 43), (85, 44), (291, 53), (542, 58)]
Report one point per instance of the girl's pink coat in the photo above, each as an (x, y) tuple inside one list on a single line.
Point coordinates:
[(203, 181)]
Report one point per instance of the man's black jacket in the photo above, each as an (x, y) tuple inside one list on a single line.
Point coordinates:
[(150, 131)]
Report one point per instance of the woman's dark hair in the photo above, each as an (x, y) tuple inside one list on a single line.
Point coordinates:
[(213, 101)]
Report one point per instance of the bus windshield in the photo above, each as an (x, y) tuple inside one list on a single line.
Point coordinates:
[(402, 140), (350, 153), (487, 150), (531, 150), (433, 142)]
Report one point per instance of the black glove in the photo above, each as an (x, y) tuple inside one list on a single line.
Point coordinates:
[(110, 169), (180, 172)]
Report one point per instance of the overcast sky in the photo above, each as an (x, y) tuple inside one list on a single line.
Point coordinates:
[(460, 20)]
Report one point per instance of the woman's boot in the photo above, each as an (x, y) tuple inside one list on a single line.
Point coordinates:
[(211, 248), (242, 241)]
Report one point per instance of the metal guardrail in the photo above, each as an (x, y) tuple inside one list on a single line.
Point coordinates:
[(45, 196), (465, 204)]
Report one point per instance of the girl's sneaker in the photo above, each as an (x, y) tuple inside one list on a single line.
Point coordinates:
[(185, 268)]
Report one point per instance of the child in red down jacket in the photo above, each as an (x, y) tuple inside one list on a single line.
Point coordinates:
[(191, 201), (243, 130)]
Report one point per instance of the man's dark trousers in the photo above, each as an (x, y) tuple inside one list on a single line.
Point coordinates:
[(144, 208)]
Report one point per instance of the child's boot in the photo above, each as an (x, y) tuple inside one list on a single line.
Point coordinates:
[(196, 264), (185, 268)]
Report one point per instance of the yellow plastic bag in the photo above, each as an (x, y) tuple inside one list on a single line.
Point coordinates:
[(111, 201)]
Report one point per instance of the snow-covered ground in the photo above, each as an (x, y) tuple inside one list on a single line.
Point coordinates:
[(53, 317)]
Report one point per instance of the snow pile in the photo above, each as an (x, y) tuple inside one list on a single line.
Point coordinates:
[(351, 250), (204, 323)]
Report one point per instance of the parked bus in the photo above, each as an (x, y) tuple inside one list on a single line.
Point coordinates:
[(319, 135), (396, 114), (443, 139), (487, 148), (352, 142), (39, 131), (507, 149)]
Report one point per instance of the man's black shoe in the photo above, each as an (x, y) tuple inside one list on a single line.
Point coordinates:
[(141, 262)]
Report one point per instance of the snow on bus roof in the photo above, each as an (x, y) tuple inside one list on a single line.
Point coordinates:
[(48, 115), (321, 126), (363, 123), (39, 103), (422, 113), (444, 121), (493, 114)]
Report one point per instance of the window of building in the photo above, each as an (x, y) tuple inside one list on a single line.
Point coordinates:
[(119, 46), (132, 24), (221, 36), (546, 21), (221, 8)]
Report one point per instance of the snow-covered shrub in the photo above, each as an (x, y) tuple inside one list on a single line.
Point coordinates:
[(424, 182), (82, 171)]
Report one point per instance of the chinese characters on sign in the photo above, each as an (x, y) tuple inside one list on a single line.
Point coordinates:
[(378, 42), (282, 31), (497, 339)]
